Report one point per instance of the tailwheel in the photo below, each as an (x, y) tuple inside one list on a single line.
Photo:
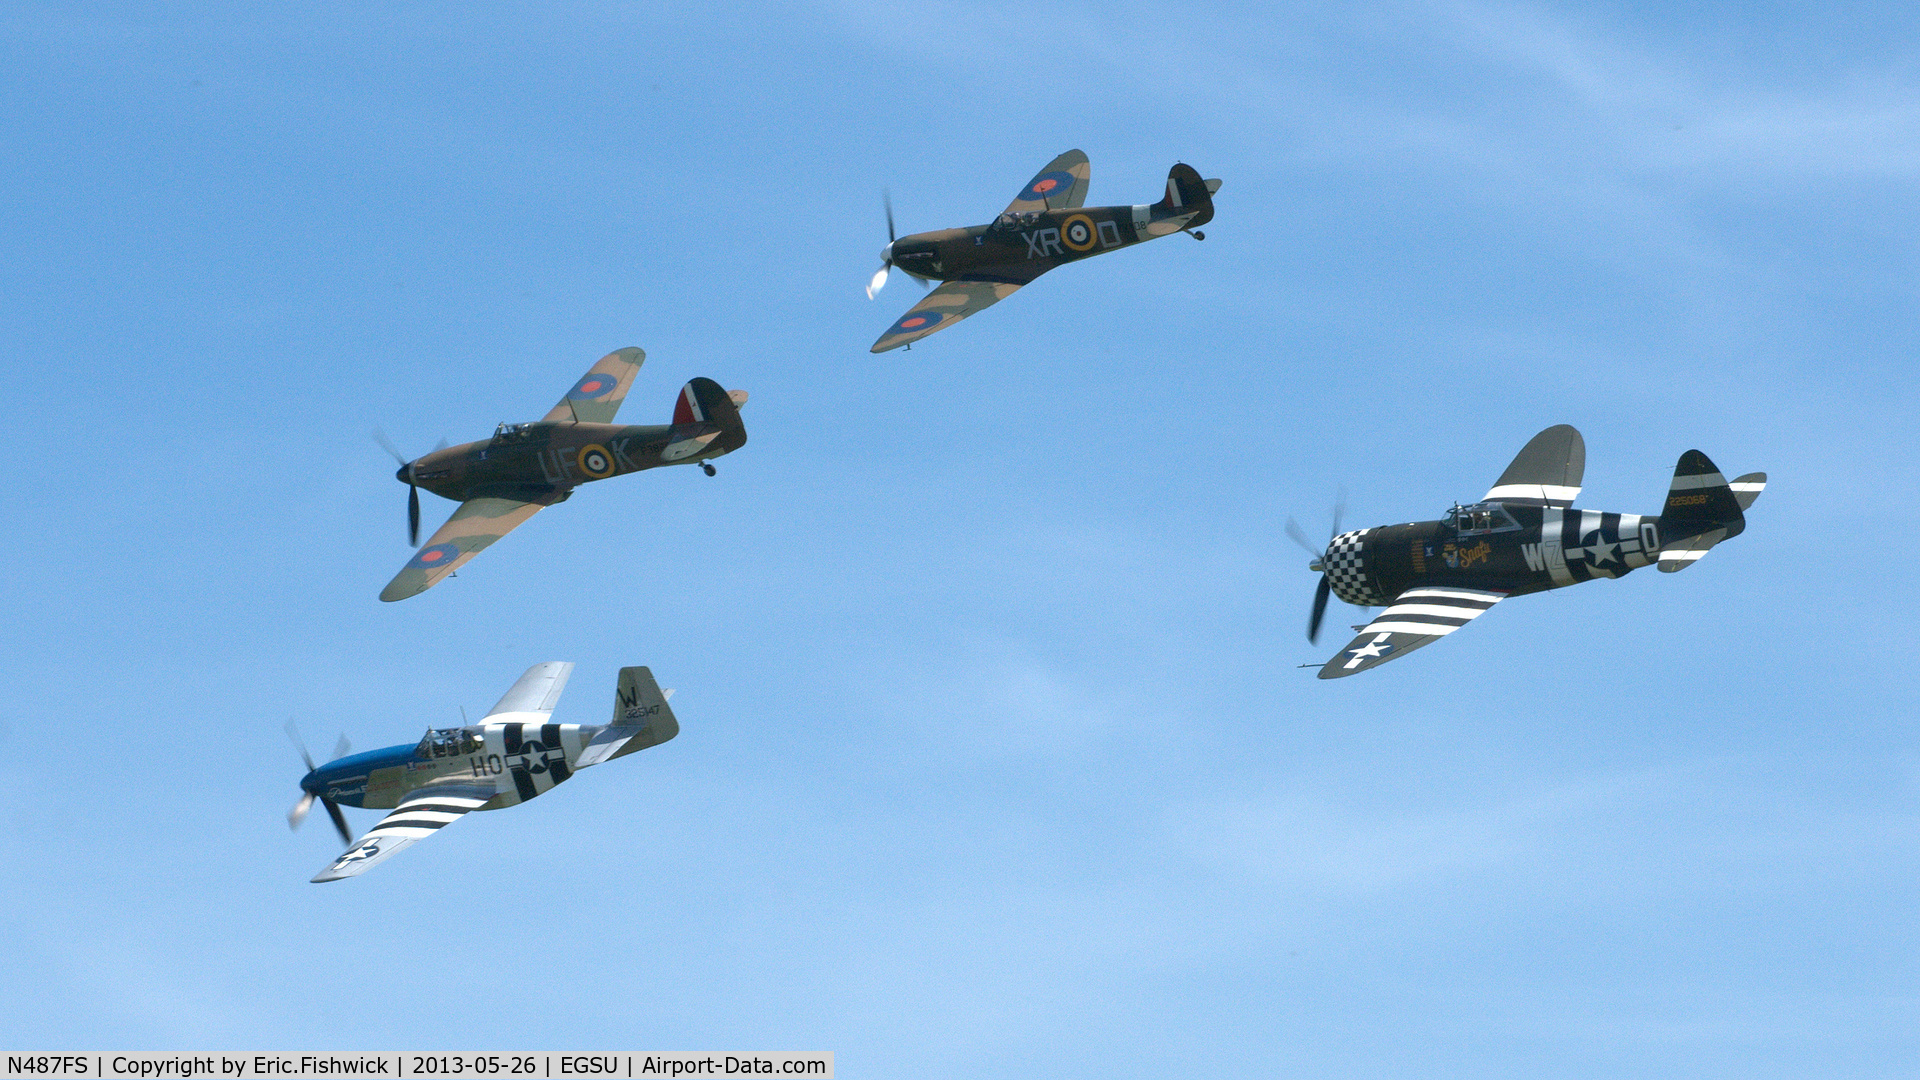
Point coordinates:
[(1198, 235), (707, 467)]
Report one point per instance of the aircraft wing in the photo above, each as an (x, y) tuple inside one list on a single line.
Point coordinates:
[(474, 526), (944, 306), (598, 394), (531, 700), (1062, 185), (1546, 472), (1419, 616), (424, 811)]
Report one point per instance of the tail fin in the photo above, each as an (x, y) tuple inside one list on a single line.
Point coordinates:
[(641, 718), (1702, 509), (1187, 196), (702, 401)]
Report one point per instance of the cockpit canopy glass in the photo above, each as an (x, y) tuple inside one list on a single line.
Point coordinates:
[(1480, 518), (449, 742), (510, 432)]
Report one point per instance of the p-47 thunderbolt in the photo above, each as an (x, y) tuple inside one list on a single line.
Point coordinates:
[(502, 482), (1044, 227), (1434, 577), (513, 754)]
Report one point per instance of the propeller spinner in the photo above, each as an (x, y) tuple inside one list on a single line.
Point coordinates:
[(300, 809)]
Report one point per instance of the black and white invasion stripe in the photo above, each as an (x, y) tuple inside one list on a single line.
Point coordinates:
[(1433, 612)]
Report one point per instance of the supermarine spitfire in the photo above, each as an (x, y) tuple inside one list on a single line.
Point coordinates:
[(1523, 537), (1042, 228), (503, 481), (513, 754)]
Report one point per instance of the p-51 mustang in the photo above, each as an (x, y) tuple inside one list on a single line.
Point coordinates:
[(513, 754), (1436, 576), (502, 482), (1042, 228)]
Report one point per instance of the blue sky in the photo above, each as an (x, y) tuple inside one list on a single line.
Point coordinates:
[(996, 759)]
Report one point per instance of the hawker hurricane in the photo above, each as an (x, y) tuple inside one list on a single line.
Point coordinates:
[(502, 481)]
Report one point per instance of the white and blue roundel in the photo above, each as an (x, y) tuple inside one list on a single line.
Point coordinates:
[(1346, 571)]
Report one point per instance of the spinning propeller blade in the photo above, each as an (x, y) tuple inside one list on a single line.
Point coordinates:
[(1325, 589), (300, 809), (339, 821), (413, 493), (886, 255)]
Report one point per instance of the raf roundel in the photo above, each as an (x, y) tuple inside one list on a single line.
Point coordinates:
[(435, 555), (595, 461), (1048, 185), (596, 385), (915, 321), (1077, 232)]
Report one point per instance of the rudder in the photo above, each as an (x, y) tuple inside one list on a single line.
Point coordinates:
[(1187, 193), (1702, 509)]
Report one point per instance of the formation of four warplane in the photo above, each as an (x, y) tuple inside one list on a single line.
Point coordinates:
[(1431, 577)]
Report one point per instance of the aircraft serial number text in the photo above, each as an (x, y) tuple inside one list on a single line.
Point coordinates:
[(546, 1066)]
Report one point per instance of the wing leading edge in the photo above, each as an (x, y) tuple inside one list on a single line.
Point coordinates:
[(1419, 616), (472, 529), (944, 306), (424, 811)]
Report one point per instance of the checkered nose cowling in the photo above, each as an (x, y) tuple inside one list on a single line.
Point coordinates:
[(1346, 570)]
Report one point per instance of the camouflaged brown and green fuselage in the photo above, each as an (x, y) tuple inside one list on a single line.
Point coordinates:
[(1018, 247), (1046, 225), (502, 482), (547, 460)]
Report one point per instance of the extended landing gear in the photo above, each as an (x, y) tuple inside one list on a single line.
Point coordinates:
[(707, 467), (1198, 235)]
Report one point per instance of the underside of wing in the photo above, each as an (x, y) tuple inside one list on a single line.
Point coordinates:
[(597, 396), (1417, 617), (474, 526), (944, 306), (422, 812), (1546, 472), (1062, 185), (535, 695)]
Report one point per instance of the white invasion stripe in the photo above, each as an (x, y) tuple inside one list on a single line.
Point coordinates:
[(1442, 610), (1749, 486), (1456, 594), (1682, 555), (517, 718), (1549, 492), (1703, 480), (1421, 628)]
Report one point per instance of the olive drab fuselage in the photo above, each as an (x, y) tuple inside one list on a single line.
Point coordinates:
[(1498, 547), (547, 458), (1019, 247)]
